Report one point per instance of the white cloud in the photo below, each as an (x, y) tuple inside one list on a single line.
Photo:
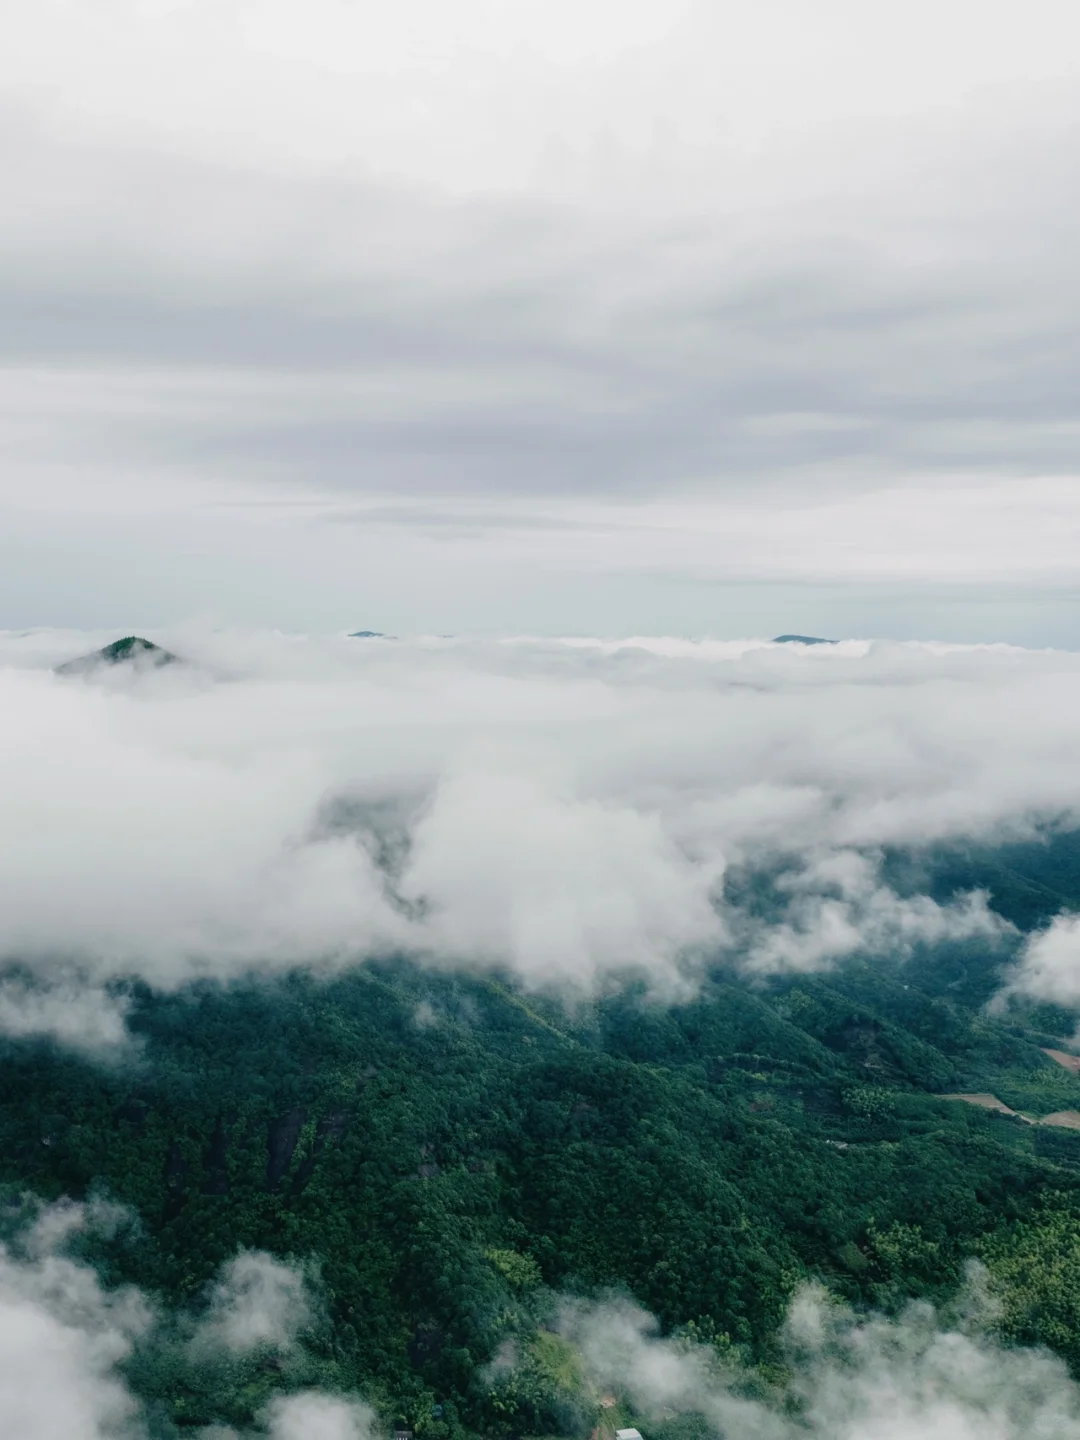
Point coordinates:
[(837, 906), (86, 1017), (310, 1415), (1049, 964), (565, 810), (511, 864), (257, 1302), (917, 1377), (315, 1416), (56, 1224), (62, 1336)]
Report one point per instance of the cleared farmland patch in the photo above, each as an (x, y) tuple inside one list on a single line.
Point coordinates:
[(1067, 1061), (987, 1102)]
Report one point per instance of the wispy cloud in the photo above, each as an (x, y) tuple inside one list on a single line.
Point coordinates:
[(65, 1337), (871, 1378)]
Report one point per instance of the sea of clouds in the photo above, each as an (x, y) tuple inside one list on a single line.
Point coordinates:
[(564, 810)]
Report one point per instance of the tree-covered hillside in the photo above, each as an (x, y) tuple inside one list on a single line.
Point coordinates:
[(453, 1155)]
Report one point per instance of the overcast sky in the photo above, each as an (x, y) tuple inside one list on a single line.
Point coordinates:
[(575, 316)]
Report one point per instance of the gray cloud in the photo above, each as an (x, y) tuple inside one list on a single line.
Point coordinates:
[(385, 338), (835, 321)]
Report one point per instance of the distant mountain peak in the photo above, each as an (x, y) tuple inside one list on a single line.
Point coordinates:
[(366, 635), (131, 650), (801, 640)]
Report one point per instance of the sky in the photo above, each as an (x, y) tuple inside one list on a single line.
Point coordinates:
[(563, 318)]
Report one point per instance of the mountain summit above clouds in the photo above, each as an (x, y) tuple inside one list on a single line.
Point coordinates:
[(131, 650)]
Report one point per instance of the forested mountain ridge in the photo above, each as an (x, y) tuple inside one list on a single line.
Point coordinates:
[(454, 1155)]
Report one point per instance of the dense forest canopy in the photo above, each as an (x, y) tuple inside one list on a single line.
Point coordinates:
[(450, 1161)]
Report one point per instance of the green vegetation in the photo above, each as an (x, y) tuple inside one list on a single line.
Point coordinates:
[(455, 1157), (1035, 1263)]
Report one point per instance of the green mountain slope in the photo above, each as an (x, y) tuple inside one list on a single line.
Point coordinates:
[(404, 1127)]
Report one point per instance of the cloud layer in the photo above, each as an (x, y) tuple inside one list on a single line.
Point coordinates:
[(564, 810)]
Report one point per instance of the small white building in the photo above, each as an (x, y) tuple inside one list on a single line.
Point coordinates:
[(628, 1434)]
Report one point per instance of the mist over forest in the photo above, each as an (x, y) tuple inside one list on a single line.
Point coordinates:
[(522, 1037)]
